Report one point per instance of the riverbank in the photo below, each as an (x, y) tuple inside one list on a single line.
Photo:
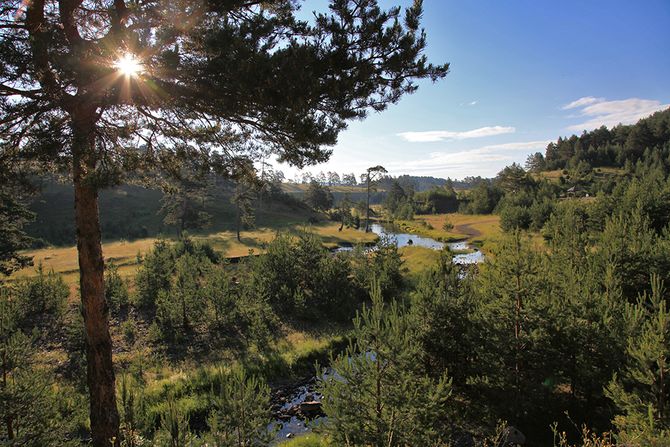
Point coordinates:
[(477, 229)]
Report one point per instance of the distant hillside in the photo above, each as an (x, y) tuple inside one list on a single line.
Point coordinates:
[(356, 193), (426, 183), (131, 212), (648, 140)]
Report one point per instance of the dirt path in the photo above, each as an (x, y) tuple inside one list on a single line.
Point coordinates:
[(469, 230)]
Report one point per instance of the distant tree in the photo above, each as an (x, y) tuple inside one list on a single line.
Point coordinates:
[(14, 215), (333, 178), (242, 198), (372, 174), (395, 197), (349, 179), (306, 177), (318, 196), (535, 162), (513, 179), (344, 210), (483, 198), (265, 180), (184, 203), (514, 217)]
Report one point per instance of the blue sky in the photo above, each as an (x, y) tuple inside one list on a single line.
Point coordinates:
[(522, 73)]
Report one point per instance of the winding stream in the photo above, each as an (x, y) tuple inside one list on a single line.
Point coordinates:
[(465, 253)]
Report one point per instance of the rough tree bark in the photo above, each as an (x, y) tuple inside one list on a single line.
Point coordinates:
[(100, 371)]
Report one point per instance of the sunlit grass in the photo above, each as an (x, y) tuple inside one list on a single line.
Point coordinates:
[(64, 260), (308, 440), (477, 228), (417, 260)]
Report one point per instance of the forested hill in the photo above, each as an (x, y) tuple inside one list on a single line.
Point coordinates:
[(648, 140), (426, 183), (131, 212)]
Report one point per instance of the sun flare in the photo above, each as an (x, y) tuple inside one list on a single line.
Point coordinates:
[(128, 65)]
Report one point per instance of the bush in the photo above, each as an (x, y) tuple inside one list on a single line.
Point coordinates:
[(299, 277), (44, 294), (129, 330), (241, 411), (116, 290), (514, 217)]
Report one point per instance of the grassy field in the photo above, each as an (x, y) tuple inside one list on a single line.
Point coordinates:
[(417, 260), (477, 229), (124, 253), (308, 440)]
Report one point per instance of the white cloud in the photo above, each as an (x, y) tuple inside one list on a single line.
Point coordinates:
[(485, 160), (440, 135), (581, 102), (598, 112)]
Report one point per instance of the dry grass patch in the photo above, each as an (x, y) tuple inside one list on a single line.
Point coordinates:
[(64, 260)]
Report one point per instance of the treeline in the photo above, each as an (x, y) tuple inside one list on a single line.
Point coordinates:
[(417, 183), (522, 201), (648, 139)]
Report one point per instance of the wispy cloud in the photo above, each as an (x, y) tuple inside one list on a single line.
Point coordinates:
[(581, 102), (484, 160), (441, 135), (598, 111)]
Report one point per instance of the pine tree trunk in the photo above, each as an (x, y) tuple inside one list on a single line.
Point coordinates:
[(100, 372), (367, 208), (238, 222)]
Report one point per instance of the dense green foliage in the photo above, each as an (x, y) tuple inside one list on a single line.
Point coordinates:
[(318, 197), (14, 215), (376, 393), (34, 411), (648, 139)]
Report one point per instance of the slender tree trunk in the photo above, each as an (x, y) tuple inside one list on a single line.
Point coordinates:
[(367, 208), (100, 371), (238, 221)]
